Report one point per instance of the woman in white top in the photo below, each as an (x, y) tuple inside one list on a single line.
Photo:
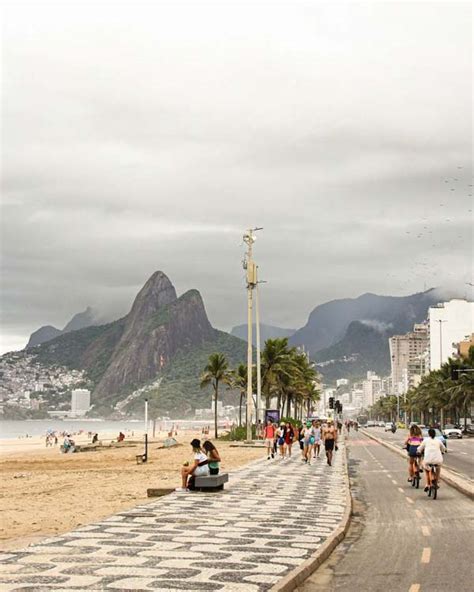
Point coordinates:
[(199, 467), (432, 450)]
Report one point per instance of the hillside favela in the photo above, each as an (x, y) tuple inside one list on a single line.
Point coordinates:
[(237, 345)]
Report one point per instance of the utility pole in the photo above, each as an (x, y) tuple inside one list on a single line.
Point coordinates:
[(251, 278), (440, 321), (259, 376)]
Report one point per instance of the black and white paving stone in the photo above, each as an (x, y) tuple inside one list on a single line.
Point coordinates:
[(271, 517)]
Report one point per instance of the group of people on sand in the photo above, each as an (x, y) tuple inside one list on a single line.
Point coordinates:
[(313, 434), (206, 461)]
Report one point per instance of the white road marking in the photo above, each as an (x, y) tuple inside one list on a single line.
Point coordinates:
[(426, 530), (409, 500), (414, 588), (394, 482), (419, 513), (426, 555), (400, 490)]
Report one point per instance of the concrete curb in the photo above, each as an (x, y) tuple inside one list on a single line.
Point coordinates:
[(298, 575), (447, 475)]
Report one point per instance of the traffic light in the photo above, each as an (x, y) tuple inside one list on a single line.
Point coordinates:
[(331, 402), (339, 407)]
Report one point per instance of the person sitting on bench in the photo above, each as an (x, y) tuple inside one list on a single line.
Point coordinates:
[(212, 456), (199, 467)]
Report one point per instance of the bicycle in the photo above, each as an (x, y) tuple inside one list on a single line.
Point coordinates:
[(415, 482), (433, 488)]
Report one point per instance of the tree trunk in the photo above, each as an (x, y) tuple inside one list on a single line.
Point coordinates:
[(216, 393), (288, 406), (240, 409), (442, 418)]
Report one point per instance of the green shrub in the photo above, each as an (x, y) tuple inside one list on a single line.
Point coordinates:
[(237, 434)]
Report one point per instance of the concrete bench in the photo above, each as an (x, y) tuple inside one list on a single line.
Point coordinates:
[(211, 482)]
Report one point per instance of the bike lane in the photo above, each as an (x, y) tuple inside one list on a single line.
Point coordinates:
[(399, 540)]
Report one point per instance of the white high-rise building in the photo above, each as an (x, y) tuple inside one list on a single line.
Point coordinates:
[(80, 401), (342, 382), (403, 350), (450, 322), (371, 388)]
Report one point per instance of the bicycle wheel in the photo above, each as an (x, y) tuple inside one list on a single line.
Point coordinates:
[(435, 489)]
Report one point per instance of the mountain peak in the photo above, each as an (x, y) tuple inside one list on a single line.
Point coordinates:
[(157, 292)]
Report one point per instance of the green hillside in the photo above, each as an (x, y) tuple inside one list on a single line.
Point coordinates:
[(179, 393)]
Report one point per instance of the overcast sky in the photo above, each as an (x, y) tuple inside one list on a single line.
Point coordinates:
[(145, 138)]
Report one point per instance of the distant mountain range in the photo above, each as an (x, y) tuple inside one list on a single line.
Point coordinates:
[(81, 320), (163, 336), (266, 332), (170, 338), (347, 337)]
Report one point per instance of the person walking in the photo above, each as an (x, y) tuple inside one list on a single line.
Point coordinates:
[(329, 439), (301, 440), (308, 442), (281, 439), (317, 439), (289, 437), (268, 436)]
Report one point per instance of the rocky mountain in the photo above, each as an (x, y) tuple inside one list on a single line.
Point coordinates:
[(87, 318), (42, 335), (328, 323), (348, 337), (266, 332), (161, 331), (362, 348)]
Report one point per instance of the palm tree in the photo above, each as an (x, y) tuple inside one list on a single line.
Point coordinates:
[(275, 366), (215, 372)]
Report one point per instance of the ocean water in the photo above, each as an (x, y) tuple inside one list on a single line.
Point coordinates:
[(38, 427), (10, 429)]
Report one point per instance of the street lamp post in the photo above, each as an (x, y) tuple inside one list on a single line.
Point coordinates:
[(259, 376), (440, 321), (251, 269), (145, 456)]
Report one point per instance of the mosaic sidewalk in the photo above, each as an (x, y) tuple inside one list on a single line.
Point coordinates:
[(272, 516)]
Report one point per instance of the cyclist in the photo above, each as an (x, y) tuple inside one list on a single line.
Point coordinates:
[(433, 451), (412, 443)]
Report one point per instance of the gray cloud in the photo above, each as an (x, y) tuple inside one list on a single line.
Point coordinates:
[(137, 140)]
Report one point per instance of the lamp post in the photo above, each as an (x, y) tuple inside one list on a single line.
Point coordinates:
[(145, 455), (259, 376), (251, 278), (440, 321)]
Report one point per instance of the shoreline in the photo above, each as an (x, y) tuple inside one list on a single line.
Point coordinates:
[(45, 493)]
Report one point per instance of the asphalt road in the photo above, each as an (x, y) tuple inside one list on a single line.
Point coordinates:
[(399, 539), (460, 455)]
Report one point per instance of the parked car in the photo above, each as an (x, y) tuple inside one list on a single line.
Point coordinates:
[(452, 432), (439, 436), (388, 426), (371, 424), (381, 424)]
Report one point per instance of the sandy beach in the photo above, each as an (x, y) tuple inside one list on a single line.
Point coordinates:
[(44, 492)]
